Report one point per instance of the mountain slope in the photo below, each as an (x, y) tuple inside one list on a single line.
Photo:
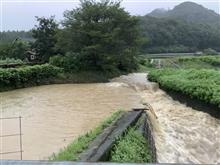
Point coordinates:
[(159, 13), (190, 12)]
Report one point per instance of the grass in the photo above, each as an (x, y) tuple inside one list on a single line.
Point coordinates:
[(201, 84), (144, 68), (131, 148), (200, 62), (73, 150)]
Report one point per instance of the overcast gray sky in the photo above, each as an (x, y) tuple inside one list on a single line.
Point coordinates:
[(20, 14)]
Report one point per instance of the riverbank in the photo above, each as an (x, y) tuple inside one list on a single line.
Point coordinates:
[(55, 115), (29, 76), (180, 131)]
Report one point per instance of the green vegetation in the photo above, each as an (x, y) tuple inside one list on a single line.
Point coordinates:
[(190, 12), (211, 60), (26, 76), (10, 36), (11, 61), (145, 65), (72, 151), (106, 33), (45, 40), (203, 84), (172, 35), (100, 36), (188, 27), (131, 148), (15, 49), (195, 62), (94, 45), (210, 51)]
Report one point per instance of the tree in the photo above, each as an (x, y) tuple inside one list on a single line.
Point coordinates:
[(102, 35), (45, 37), (15, 49)]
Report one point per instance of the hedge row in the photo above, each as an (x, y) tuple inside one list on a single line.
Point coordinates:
[(212, 60), (19, 77), (11, 61), (200, 84)]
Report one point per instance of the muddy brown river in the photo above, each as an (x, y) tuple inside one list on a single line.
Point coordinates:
[(54, 115)]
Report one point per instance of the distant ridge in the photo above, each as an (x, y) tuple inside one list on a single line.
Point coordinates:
[(190, 12)]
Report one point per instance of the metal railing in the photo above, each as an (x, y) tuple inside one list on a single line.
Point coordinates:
[(10, 135)]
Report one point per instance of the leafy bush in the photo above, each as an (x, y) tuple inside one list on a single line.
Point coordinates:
[(201, 84), (210, 51), (69, 62), (15, 50), (212, 60), (131, 148), (11, 61), (19, 77)]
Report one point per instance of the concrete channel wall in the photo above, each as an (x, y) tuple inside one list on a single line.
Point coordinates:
[(100, 148)]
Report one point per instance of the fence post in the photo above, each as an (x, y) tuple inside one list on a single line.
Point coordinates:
[(20, 136)]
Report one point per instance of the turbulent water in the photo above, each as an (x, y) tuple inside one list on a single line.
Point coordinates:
[(183, 135), (54, 115)]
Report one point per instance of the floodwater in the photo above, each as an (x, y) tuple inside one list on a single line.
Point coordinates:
[(54, 115), (182, 134)]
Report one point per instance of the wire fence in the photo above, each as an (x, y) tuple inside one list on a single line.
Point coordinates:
[(150, 139), (11, 135)]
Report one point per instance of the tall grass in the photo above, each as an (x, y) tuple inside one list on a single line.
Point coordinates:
[(131, 148)]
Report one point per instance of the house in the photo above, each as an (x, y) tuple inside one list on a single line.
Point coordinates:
[(32, 56)]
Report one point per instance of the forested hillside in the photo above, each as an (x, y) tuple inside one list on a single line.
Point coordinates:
[(190, 12), (10, 36), (188, 27)]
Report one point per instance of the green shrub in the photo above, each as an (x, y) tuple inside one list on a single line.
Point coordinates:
[(212, 60), (210, 51), (69, 62), (15, 50), (131, 148), (11, 61), (19, 77), (201, 84)]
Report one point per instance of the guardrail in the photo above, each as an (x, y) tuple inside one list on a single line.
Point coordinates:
[(10, 135), (29, 162)]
